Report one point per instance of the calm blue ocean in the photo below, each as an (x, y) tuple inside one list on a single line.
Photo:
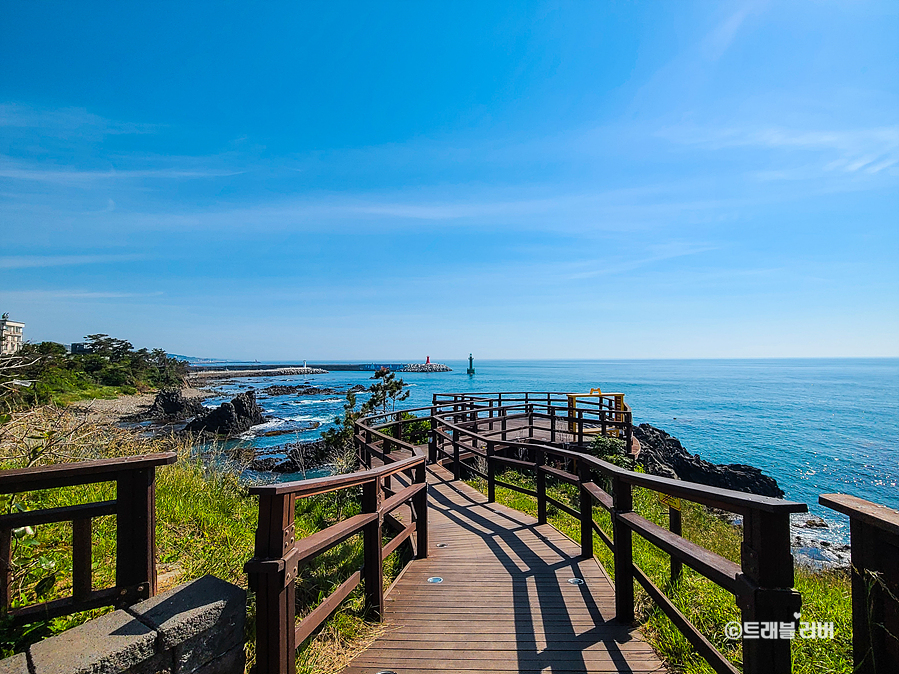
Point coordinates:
[(816, 426)]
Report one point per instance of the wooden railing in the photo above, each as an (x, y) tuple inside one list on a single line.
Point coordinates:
[(874, 532), (279, 557), (472, 434), (577, 417), (135, 511)]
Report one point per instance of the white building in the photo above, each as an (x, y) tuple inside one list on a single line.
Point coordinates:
[(10, 336)]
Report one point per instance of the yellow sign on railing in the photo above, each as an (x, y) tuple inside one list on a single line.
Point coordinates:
[(669, 501)]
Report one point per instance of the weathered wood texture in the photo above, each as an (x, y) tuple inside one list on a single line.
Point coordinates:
[(874, 531), (505, 603)]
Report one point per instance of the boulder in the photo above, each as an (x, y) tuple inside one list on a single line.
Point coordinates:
[(172, 405), (229, 418), (663, 455)]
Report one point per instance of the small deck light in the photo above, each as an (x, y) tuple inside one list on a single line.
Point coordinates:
[(435, 579), (441, 545), (576, 581)]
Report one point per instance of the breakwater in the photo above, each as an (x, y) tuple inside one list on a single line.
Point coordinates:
[(250, 369)]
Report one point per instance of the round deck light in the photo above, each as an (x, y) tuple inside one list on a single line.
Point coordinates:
[(441, 545), (575, 581), (435, 579)]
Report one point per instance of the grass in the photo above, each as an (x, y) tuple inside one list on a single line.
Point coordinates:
[(826, 595), (206, 524)]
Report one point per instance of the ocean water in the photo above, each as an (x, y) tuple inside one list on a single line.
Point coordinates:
[(815, 425)]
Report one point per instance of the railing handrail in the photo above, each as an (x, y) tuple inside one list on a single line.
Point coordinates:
[(727, 499), (323, 485), (17, 480)]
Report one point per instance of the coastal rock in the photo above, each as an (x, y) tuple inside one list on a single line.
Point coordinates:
[(298, 456), (171, 404), (815, 523), (663, 455), (229, 418), (299, 389)]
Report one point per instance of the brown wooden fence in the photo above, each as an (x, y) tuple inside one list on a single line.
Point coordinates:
[(135, 511), (279, 557)]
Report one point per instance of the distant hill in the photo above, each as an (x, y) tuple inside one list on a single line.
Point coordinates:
[(195, 359)]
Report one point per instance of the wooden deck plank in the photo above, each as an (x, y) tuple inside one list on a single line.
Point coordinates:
[(504, 604)]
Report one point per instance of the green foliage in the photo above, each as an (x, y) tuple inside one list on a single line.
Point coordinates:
[(384, 395), (612, 450), (44, 373)]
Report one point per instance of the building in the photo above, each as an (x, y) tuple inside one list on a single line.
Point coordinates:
[(10, 336)]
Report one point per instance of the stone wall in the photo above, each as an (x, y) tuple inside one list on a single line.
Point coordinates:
[(195, 628)]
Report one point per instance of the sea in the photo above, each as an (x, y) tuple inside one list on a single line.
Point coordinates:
[(816, 425)]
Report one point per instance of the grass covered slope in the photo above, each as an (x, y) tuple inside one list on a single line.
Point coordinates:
[(826, 595), (206, 524)]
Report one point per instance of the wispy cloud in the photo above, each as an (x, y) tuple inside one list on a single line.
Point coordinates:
[(669, 251), (17, 170), (869, 149), (31, 261), (39, 295), (59, 121), (721, 37)]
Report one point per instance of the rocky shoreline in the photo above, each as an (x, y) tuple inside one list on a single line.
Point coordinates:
[(662, 454)]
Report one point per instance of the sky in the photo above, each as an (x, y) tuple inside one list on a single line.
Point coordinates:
[(367, 181)]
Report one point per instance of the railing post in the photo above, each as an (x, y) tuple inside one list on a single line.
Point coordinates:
[(766, 561), (275, 599), (491, 474), (530, 410), (432, 442), (552, 424), (623, 502), (541, 487), (490, 427), (421, 513), (5, 568), (136, 535), (580, 427), (674, 525), (457, 469), (372, 568), (586, 508), (368, 440), (81, 559), (503, 425), (602, 422), (628, 432), (874, 537)]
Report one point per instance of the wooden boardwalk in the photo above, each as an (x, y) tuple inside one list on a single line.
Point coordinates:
[(505, 603)]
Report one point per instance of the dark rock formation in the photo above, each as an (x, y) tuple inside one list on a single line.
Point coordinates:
[(299, 456), (663, 455), (171, 404), (358, 388), (299, 389), (230, 418)]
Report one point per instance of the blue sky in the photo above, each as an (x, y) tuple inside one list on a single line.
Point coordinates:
[(519, 180)]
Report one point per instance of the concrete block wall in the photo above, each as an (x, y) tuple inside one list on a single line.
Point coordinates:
[(195, 628)]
